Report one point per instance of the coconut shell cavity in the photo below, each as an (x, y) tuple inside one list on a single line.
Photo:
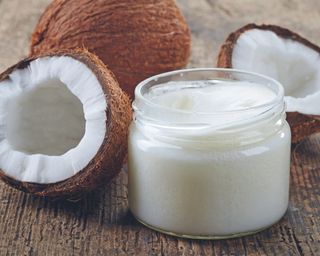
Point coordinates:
[(287, 57), (64, 124)]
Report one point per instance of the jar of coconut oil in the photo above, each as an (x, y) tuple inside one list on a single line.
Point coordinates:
[(209, 153)]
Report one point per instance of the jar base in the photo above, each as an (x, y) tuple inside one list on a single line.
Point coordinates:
[(204, 237)]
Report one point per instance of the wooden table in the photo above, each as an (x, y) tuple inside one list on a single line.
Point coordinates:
[(101, 223)]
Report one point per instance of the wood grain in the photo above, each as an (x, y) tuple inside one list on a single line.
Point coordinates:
[(101, 224)]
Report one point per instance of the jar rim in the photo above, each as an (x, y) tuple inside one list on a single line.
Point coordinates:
[(140, 97), (230, 125)]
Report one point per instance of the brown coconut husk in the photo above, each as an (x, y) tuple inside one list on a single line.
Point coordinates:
[(108, 160), (136, 39), (301, 125)]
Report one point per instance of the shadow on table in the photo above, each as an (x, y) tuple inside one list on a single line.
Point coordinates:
[(108, 204), (307, 152)]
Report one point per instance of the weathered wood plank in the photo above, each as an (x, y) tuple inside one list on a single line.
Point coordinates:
[(101, 223)]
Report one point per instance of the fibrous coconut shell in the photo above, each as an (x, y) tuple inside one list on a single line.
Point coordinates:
[(302, 125), (136, 39), (108, 160)]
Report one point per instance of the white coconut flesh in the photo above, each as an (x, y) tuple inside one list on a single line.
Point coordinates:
[(294, 65), (53, 120)]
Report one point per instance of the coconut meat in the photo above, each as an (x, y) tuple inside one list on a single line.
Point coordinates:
[(52, 120), (292, 63)]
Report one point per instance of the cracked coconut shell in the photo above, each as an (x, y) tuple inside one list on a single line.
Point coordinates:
[(111, 150), (302, 123)]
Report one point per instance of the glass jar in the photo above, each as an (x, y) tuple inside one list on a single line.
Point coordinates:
[(210, 174)]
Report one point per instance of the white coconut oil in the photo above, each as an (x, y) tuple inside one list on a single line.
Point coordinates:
[(209, 158)]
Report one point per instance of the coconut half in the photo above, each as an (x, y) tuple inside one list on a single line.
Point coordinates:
[(287, 57), (64, 123)]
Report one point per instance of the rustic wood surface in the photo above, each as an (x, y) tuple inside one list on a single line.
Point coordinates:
[(101, 223)]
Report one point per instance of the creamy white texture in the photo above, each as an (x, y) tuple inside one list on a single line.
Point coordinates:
[(217, 103), (212, 182), (52, 120), (211, 97), (213, 192), (290, 62)]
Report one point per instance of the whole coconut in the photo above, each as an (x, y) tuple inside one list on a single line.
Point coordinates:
[(135, 38)]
